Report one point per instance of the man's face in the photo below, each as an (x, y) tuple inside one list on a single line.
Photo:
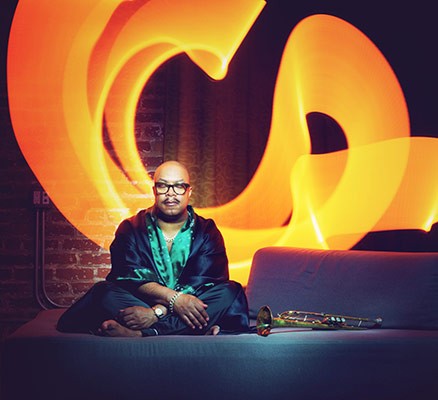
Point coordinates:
[(170, 183)]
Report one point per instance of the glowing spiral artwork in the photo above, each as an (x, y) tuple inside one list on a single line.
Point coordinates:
[(70, 65)]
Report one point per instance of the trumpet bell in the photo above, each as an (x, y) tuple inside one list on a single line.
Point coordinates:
[(264, 321)]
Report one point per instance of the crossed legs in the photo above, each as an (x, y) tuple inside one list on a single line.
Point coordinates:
[(97, 311)]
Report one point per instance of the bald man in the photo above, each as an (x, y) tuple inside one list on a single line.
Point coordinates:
[(169, 273)]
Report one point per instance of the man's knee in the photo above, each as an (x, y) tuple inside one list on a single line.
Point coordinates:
[(225, 292), (103, 288), (234, 304), (108, 294), (233, 289)]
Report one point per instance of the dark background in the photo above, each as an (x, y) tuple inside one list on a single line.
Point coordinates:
[(406, 35)]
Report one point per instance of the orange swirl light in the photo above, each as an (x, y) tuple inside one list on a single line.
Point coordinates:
[(70, 65)]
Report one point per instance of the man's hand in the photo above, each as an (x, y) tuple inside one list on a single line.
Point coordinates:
[(191, 310), (137, 317)]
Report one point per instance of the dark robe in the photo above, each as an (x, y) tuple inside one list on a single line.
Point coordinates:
[(206, 271)]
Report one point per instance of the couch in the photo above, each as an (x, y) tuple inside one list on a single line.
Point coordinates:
[(399, 360)]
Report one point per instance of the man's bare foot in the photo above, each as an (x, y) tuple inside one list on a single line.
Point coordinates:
[(214, 330), (114, 329)]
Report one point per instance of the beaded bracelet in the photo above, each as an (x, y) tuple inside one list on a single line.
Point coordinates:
[(172, 301)]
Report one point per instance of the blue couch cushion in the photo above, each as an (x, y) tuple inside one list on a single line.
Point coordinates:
[(377, 364), (402, 288)]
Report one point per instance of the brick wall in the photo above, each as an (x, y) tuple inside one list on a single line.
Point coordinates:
[(72, 262)]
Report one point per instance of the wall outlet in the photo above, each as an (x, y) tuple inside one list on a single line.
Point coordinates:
[(36, 197), (40, 198)]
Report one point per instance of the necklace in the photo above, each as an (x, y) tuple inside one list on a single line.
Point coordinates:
[(169, 239)]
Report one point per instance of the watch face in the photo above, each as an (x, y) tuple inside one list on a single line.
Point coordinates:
[(158, 312)]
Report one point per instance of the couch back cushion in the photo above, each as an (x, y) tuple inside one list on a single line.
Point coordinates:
[(401, 288)]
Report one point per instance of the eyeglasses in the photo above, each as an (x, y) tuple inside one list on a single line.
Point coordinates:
[(178, 188)]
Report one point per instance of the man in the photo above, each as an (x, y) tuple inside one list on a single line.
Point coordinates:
[(169, 273)]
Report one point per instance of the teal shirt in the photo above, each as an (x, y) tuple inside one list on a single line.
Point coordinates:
[(170, 264)]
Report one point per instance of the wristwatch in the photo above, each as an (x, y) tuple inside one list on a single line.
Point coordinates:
[(158, 312)]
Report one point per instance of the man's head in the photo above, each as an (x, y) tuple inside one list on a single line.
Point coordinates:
[(172, 191)]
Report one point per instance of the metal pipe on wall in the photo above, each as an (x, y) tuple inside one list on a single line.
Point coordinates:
[(41, 201)]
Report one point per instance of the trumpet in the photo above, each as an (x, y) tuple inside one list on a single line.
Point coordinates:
[(314, 320)]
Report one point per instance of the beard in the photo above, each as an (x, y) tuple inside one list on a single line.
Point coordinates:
[(172, 216)]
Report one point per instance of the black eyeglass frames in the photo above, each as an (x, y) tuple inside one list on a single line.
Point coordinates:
[(178, 188)]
